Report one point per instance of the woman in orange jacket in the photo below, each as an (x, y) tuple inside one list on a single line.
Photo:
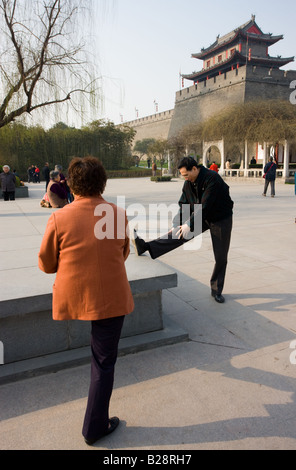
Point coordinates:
[(86, 244)]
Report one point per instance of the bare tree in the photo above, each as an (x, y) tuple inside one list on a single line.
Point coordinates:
[(43, 58)]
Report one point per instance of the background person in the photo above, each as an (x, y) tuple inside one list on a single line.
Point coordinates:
[(37, 174), (46, 173), (91, 282), (214, 167), (8, 181), (228, 167), (64, 183), (56, 193), (270, 176)]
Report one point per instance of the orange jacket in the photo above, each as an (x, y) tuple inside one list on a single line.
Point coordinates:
[(91, 281)]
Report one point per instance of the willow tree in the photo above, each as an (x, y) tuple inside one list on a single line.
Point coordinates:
[(255, 121), (43, 56)]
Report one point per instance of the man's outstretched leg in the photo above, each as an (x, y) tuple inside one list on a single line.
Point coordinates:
[(158, 247)]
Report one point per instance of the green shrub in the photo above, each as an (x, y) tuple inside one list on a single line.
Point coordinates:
[(160, 178), (129, 173)]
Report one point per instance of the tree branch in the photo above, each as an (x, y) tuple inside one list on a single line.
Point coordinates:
[(40, 54)]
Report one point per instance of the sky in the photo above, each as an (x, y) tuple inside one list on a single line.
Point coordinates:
[(141, 46)]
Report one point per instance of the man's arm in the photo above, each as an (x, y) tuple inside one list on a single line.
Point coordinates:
[(212, 188), (177, 220)]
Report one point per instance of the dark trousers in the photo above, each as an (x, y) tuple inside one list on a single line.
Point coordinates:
[(272, 187), (220, 234), (9, 195), (105, 335)]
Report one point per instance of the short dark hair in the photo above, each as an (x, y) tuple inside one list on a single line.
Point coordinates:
[(87, 176), (188, 163)]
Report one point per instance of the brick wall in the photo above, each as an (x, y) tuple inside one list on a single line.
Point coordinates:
[(202, 100), (156, 126)]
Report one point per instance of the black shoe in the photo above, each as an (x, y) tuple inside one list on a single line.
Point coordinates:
[(139, 244), (113, 423), (219, 298)]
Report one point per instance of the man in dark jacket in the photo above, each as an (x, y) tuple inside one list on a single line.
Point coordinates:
[(270, 176), (204, 189), (8, 181)]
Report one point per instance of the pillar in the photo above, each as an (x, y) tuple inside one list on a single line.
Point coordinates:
[(222, 166), (246, 159), (169, 163), (286, 160), (204, 155), (264, 155)]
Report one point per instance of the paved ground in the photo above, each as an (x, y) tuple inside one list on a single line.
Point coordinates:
[(232, 386)]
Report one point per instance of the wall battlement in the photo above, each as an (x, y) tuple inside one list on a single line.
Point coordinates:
[(200, 101), (232, 77), (212, 84), (152, 118), (155, 126), (247, 83)]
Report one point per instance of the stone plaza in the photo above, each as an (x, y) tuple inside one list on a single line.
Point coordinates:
[(210, 376)]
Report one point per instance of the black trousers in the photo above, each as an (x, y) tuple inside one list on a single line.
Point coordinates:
[(220, 235), (9, 195), (105, 335)]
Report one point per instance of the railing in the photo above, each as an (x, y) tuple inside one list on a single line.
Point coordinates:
[(255, 172)]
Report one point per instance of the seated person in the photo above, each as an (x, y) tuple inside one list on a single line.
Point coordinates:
[(56, 193)]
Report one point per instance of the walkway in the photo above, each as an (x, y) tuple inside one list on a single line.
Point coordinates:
[(232, 386)]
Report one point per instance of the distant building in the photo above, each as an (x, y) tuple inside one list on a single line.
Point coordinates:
[(236, 68), (246, 45)]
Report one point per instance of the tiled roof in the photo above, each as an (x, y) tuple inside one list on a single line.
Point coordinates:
[(250, 29), (238, 58)]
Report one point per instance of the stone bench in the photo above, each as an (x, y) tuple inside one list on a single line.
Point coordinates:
[(22, 191), (31, 337)]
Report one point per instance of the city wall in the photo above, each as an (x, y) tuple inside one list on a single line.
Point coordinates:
[(156, 126), (202, 100)]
